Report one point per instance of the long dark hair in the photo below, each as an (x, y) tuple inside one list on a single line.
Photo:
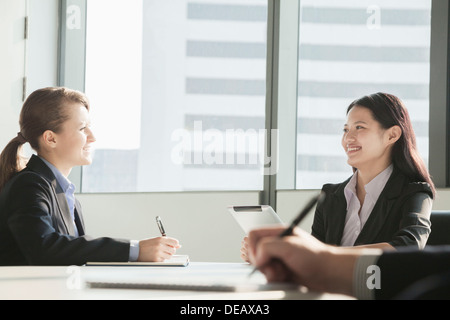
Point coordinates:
[(44, 109), (390, 111)]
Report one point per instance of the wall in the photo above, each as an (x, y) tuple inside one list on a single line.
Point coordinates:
[(199, 220), (35, 58), (12, 65), (42, 44)]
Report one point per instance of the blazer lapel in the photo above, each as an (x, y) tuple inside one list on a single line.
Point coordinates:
[(65, 219), (79, 221), (381, 210), (63, 207)]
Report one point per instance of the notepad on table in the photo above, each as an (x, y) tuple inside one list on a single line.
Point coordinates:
[(175, 261), (223, 287)]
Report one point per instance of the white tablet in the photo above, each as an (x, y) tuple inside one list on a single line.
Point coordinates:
[(251, 217)]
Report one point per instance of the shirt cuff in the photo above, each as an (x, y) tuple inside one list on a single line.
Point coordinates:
[(134, 250), (361, 274)]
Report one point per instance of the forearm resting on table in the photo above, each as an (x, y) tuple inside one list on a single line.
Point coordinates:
[(341, 262), (381, 245)]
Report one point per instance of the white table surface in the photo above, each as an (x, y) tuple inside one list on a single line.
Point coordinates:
[(69, 283)]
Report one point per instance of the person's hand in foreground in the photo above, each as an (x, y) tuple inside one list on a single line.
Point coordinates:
[(302, 259), (244, 249)]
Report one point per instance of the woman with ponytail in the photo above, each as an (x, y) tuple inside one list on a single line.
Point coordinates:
[(11, 160), (41, 221)]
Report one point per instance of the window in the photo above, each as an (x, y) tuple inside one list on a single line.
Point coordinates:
[(183, 104), (348, 49)]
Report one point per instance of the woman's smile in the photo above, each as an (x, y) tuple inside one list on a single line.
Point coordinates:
[(353, 149)]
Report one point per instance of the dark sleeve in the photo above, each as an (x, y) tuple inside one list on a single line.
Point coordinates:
[(415, 225), (407, 272), (32, 220), (318, 226)]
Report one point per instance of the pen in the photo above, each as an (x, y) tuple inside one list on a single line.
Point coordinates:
[(288, 231), (160, 226)]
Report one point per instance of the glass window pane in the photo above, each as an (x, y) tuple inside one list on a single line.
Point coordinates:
[(177, 90), (349, 49)]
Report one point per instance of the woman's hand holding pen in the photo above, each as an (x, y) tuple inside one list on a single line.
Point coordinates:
[(157, 249)]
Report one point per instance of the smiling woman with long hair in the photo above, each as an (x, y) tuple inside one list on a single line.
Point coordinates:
[(41, 221), (387, 202)]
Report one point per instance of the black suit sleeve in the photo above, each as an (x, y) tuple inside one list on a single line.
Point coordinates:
[(34, 223), (318, 226), (406, 271), (415, 225)]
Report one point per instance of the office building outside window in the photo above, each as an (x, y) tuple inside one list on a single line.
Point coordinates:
[(348, 49), (182, 105)]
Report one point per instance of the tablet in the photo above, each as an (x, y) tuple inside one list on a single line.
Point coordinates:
[(251, 217)]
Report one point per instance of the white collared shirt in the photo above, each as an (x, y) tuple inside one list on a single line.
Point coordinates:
[(68, 188), (357, 216), (69, 191)]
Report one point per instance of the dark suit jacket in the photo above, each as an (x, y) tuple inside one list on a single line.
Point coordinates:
[(36, 226), (400, 217), (415, 274)]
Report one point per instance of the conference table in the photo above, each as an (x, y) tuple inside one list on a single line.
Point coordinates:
[(81, 283)]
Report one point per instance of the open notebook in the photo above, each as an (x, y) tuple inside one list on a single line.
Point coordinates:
[(195, 286), (175, 261)]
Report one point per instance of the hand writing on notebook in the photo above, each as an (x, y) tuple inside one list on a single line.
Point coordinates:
[(157, 249)]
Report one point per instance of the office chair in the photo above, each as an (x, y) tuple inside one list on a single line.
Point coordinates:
[(435, 286), (440, 228)]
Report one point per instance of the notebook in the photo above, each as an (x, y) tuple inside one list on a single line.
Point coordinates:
[(175, 261), (223, 287)]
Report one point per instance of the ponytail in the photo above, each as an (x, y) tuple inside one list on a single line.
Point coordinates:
[(11, 159)]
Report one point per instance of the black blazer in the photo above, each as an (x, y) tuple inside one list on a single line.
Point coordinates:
[(401, 216), (415, 274), (36, 226)]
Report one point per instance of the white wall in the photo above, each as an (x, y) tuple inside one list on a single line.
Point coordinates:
[(12, 66), (199, 220), (35, 58), (42, 44)]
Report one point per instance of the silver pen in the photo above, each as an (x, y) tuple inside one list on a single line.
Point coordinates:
[(160, 226)]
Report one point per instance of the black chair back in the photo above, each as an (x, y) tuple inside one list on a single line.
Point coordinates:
[(440, 228)]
